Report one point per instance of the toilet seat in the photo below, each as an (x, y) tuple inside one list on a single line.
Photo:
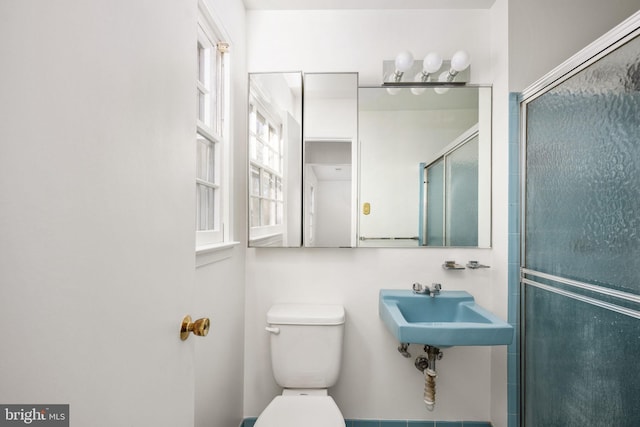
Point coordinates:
[(297, 410)]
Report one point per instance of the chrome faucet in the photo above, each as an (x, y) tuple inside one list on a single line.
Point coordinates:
[(432, 290)]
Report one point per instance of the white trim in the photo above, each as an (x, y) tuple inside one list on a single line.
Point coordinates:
[(207, 183), (209, 254), (274, 240), (213, 24)]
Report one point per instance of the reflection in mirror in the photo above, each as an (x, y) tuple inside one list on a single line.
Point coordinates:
[(425, 167), (330, 135), (275, 150)]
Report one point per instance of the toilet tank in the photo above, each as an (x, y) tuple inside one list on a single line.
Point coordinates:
[(306, 344)]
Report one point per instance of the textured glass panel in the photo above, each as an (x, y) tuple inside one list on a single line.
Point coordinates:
[(583, 222), (462, 195), (583, 174), (435, 204), (581, 368)]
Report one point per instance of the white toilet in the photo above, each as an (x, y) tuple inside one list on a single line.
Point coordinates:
[(306, 353)]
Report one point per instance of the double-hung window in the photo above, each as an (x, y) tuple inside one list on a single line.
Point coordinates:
[(266, 163), (211, 84)]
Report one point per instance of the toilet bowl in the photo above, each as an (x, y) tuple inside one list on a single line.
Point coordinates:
[(306, 410), (306, 352)]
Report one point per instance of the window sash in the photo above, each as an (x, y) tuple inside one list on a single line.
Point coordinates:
[(266, 160), (211, 80)]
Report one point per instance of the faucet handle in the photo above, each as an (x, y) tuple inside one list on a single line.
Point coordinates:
[(437, 286), (417, 288), (475, 265)]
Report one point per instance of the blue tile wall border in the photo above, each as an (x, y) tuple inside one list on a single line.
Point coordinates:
[(513, 350)]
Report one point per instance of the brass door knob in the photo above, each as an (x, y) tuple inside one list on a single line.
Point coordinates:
[(200, 327)]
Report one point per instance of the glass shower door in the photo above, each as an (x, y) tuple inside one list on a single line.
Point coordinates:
[(449, 197), (580, 270), (462, 195)]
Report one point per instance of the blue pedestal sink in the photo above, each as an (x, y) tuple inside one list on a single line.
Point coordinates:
[(451, 318)]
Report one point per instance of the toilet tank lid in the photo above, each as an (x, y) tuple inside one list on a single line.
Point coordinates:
[(306, 314)]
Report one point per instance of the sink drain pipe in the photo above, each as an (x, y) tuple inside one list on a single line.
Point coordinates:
[(427, 365)]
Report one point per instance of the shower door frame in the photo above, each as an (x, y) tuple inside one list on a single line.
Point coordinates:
[(609, 42)]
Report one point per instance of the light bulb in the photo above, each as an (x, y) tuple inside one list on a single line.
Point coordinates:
[(460, 60), (432, 62), (404, 61)]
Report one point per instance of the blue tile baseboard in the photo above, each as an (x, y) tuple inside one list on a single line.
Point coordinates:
[(249, 422)]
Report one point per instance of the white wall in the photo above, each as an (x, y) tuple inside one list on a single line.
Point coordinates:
[(219, 292), (500, 197), (373, 371)]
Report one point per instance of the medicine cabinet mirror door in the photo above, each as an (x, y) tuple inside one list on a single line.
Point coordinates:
[(275, 160), (330, 153), (425, 167)]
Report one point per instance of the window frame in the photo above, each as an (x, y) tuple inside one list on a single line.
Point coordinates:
[(213, 128), (272, 120)]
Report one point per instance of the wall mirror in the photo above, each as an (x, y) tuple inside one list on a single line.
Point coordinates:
[(275, 159), (375, 167), (330, 153), (425, 166)]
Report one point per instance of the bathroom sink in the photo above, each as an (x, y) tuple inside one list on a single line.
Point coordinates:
[(451, 318)]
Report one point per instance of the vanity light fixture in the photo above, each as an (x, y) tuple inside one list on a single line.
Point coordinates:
[(455, 71)]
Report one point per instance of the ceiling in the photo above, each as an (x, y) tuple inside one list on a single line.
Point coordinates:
[(366, 4)]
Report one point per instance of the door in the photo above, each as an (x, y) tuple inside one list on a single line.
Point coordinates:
[(581, 276), (97, 209)]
